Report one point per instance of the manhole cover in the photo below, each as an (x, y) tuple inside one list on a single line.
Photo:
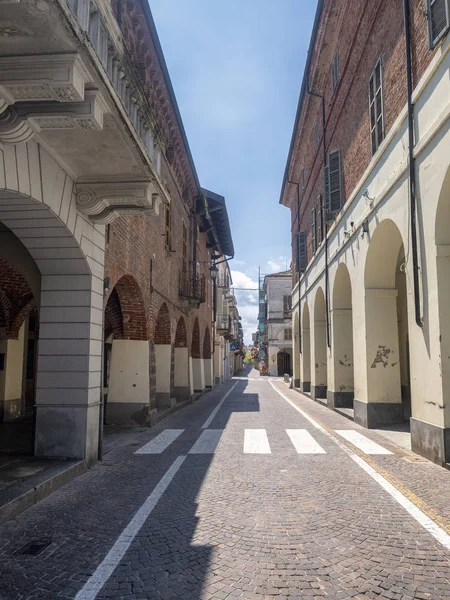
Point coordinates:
[(34, 548)]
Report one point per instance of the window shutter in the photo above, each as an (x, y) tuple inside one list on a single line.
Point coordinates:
[(438, 19), (335, 179), (301, 251), (313, 229), (328, 213), (319, 220)]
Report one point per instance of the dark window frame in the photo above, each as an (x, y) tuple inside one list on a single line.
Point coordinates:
[(335, 74), (376, 113), (434, 39), (331, 207), (313, 230)]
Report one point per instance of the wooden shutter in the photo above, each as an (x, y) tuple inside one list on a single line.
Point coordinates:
[(438, 19), (301, 251), (376, 107), (333, 180), (313, 229), (319, 221)]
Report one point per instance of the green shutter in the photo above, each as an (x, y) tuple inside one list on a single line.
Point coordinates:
[(438, 19)]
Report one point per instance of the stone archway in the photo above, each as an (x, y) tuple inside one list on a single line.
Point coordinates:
[(126, 354), (386, 341), (181, 369), (207, 362), (319, 348), (198, 374), (305, 359), (163, 358), (341, 387), (38, 209)]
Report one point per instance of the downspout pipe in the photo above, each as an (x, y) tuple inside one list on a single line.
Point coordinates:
[(412, 167), (297, 185), (324, 220)]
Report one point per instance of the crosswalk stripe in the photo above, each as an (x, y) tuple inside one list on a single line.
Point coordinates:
[(304, 442), (362, 442), (207, 442), (256, 442), (160, 442)]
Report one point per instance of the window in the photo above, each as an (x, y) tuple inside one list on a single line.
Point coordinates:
[(313, 229), (319, 221), (316, 136), (184, 255), (335, 71), (287, 303), (333, 184), (301, 251), (438, 14), (288, 334), (303, 178), (167, 227), (376, 107)]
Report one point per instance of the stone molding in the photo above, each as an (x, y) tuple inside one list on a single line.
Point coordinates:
[(57, 77), (102, 202)]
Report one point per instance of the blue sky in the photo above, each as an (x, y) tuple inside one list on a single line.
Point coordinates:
[(236, 68)]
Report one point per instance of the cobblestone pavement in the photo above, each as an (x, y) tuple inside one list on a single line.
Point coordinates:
[(262, 504)]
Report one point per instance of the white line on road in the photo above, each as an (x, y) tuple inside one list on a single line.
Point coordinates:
[(437, 532), (105, 569), (207, 442), (208, 421), (304, 442), (256, 442), (362, 442), (160, 442)]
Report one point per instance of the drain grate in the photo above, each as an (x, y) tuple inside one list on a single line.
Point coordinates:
[(34, 548)]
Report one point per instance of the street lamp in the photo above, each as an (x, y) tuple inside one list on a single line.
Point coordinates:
[(213, 270)]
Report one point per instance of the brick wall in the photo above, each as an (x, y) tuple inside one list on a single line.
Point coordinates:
[(16, 300), (361, 32)]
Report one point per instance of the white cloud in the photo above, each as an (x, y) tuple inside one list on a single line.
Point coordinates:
[(278, 264), (247, 300)]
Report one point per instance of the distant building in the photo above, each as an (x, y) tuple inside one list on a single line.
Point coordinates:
[(276, 320)]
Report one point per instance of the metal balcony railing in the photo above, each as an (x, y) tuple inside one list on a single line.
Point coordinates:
[(223, 323), (191, 288), (97, 21), (223, 281)]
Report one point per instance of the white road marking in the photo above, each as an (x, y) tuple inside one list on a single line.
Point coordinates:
[(207, 442), (424, 520), (160, 442), (256, 442), (362, 442), (208, 421), (304, 442), (105, 569)]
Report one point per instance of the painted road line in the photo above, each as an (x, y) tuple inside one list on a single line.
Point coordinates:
[(106, 568), (362, 442), (207, 442), (160, 442), (424, 520), (256, 442), (209, 420), (304, 442)]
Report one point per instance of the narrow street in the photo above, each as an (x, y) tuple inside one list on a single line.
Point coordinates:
[(240, 495)]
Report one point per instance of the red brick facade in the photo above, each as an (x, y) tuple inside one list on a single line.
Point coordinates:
[(361, 33), (16, 300)]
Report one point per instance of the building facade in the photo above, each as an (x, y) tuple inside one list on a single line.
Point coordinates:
[(275, 323), (368, 185), (107, 240)]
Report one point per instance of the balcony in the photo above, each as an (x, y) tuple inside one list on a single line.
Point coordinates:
[(192, 290), (223, 325), (223, 281)]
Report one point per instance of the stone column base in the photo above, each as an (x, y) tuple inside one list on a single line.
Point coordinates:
[(181, 393), (128, 413), (340, 399), (377, 414), (164, 400), (430, 441), (318, 391), (296, 383), (305, 386)]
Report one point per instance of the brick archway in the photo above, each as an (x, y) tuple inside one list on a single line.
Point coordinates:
[(207, 344), (16, 300), (125, 311), (181, 334), (195, 346), (162, 326)]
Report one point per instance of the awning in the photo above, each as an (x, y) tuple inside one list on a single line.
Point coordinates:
[(218, 214)]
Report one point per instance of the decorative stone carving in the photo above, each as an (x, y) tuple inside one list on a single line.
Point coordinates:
[(60, 77), (102, 202), (13, 128)]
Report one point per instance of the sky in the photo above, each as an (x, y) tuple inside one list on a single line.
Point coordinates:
[(236, 67)]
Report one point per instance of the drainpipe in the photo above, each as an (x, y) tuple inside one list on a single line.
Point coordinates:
[(298, 231), (412, 166), (194, 251), (327, 278)]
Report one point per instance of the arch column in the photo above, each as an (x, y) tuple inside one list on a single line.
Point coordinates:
[(305, 358), (319, 350), (296, 350), (181, 389)]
